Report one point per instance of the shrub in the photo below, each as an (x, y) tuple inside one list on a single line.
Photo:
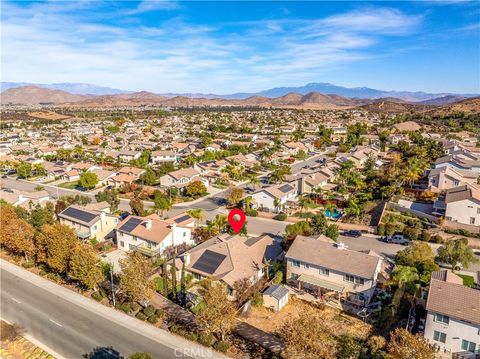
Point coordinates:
[(221, 346), (411, 233), (102, 292), (278, 277), (125, 307), (153, 319), (381, 229), (28, 265), (149, 310), (159, 313), (426, 236), (390, 229), (280, 217), (97, 296), (94, 241), (257, 300), (141, 316), (206, 339), (251, 212), (134, 307), (437, 239)]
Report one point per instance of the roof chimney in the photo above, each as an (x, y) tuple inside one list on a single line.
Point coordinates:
[(186, 258), (148, 224)]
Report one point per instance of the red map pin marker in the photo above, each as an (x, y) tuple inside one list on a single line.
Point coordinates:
[(234, 223)]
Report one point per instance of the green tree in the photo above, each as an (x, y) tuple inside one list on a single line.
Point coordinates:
[(84, 266), (148, 178), (347, 347), (456, 252), (136, 206), (196, 189), (42, 215), (88, 180), (196, 213), (318, 223), (134, 277), (110, 196), (234, 196), (24, 170), (332, 232), (161, 202)]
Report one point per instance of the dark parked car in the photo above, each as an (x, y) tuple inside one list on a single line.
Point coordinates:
[(352, 233)]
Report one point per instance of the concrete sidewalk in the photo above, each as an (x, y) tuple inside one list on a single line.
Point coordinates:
[(162, 337)]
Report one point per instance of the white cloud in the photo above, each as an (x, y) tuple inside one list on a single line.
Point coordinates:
[(154, 5), (173, 55)]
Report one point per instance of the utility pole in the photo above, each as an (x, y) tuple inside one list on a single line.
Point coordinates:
[(111, 283)]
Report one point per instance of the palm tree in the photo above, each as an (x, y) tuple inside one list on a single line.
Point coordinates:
[(302, 202), (196, 213), (220, 222), (253, 181)]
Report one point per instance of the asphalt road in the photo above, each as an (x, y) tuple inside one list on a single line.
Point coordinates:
[(75, 327)]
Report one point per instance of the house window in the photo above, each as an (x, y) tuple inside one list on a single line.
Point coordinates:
[(122, 244), (472, 220), (184, 234), (439, 336), (359, 281), (229, 291), (478, 210), (324, 271), (197, 276), (94, 227), (294, 276), (131, 247), (349, 278), (306, 265), (468, 346), (442, 318), (295, 263)]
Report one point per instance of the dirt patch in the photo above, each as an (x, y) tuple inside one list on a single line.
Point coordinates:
[(338, 321), (47, 115)]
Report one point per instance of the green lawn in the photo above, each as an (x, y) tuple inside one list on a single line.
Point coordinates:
[(467, 280), (199, 307), (69, 185)]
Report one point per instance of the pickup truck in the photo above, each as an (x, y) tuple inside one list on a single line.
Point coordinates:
[(396, 239)]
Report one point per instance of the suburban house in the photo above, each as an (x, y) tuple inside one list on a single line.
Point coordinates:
[(210, 167), (89, 223), (229, 259), (328, 269), (460, 204), (131, 171), (127, 156), (461, 159), (443, 178), (179, 178), (161, 157), (453, 314), (152, 235), (25, 199), (274, 198)]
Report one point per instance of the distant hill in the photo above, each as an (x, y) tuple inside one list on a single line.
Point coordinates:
[(467, 106), (316, 87), (444, 100), (73, 88), (33, 95), (312, 100)]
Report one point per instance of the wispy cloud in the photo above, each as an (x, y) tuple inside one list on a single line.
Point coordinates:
[(51, 43), (154, 5)]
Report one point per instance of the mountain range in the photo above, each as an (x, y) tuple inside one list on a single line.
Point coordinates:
[(34, 95), (322, 88)]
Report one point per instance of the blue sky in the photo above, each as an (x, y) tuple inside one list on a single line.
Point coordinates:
[(226, 46)]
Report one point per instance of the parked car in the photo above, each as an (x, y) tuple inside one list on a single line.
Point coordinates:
[(351, 233), (400, 239)]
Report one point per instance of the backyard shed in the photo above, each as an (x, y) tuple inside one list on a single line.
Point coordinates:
[(275, 297)]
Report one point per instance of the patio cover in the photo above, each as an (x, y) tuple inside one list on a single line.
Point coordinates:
[(321, 283)]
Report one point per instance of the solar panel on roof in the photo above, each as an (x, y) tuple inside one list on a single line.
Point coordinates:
[(130, 224), (79, 214), (182, 218), (209, 261), (251, 241), (285, 188)]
